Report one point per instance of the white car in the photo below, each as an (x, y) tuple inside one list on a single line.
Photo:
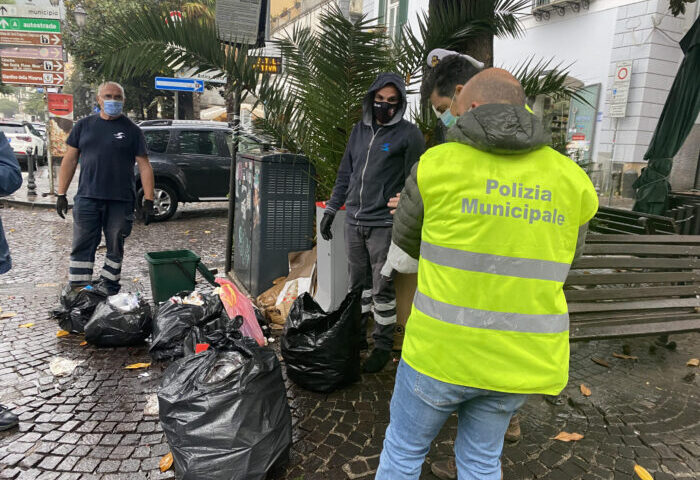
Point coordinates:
[(24, 140)]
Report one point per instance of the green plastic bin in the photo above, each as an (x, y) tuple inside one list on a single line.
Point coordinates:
[(171, 271)]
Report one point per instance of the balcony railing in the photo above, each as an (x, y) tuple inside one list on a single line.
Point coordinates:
[(541, 9)]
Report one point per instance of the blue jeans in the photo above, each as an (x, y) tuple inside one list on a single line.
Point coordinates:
[(91, 217), (420, 406)]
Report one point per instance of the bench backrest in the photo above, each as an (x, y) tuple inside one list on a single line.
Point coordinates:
[(611, 220), (628, 285)]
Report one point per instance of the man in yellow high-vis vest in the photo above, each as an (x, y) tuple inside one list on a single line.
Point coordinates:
[(494, 218)]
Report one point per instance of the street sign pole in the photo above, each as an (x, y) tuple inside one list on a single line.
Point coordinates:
[(235, 125), (48, 148)]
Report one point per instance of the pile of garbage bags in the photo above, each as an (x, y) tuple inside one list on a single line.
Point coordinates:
[(120, 321), (322, 350), (224, 412)]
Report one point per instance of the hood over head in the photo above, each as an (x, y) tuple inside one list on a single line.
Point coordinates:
[(382, 80), (499, 128)]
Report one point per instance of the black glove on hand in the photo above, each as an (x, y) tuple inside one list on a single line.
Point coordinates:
[(62, 206), (148, 211), (326, 223)]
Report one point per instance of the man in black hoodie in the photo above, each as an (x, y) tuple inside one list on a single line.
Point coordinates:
[(378, 158)]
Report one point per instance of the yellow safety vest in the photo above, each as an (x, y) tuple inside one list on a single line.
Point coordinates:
[(499, 234)]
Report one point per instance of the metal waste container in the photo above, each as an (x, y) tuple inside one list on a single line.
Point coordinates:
[(274, 216)]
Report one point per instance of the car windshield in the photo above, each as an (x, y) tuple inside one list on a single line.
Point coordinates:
[(12, 128)]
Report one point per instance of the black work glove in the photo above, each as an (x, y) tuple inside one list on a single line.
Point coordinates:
[(326, 224), (62, 206), (148, 211)]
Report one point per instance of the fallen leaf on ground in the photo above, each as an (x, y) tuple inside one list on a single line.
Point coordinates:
[(8, 315), (642, 473), (166, 462), (207, 232), (693, 362), (12, 230), (82, 344), (193, 240), (568, 437), (187, 232), (135, 280), (585, 390), (600, 361), (46, 285), (26, 325), (625, 357), (62, 333), (135, 366)]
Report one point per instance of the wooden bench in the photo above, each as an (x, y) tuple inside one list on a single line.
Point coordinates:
[(633, 285), (610, 220)]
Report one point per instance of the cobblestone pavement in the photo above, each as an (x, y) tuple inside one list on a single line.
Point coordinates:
[(92, 424)]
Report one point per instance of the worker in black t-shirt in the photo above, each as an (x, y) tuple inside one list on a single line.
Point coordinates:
[(108, 144)]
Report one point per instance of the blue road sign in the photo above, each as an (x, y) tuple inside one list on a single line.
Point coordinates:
[(180, 84)]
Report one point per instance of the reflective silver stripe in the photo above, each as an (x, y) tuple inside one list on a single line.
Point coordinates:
[(366, 293), (385, 320), (79, 278), (382, 307), (496, 264), (110, 275), (366, 308), (77, 264), (112, 264), (471, 317)]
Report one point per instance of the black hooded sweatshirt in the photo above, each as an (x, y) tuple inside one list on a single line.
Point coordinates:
[(376, 162)]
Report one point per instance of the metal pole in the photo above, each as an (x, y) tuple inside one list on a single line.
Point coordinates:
[(48, 147), (235, 124), (612, 159), (176, 113), (31, 185)]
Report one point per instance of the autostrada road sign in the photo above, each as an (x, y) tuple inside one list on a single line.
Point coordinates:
[(19, 77), (30, 24)]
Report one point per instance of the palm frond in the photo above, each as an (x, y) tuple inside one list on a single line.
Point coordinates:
[(545, 77)]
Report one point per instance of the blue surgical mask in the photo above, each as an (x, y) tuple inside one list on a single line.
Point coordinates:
[(113, 108), (446, 117)]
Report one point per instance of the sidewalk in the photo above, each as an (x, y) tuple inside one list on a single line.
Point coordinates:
[(43, 198)]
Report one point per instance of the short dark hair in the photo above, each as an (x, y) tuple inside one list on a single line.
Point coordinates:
[(452, 70)]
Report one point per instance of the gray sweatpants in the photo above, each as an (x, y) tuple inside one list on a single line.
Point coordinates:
[(367, 248)]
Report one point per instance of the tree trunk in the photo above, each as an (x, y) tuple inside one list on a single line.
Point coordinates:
[(479, 46)]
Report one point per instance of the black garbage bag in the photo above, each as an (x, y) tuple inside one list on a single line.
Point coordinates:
[(77, 307), (322, 350), (173, 321), (217, 333), (225, 413), (111, 327)]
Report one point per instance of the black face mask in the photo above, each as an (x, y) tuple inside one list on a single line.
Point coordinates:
[(384, 111)]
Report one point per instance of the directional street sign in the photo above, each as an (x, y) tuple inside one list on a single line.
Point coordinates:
[(180, 84), (32, 78), (31, 9), (30, 24), (10, 37), (32, 65), (43, 53)]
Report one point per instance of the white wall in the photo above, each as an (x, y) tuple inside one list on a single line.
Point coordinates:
[(583, 40)]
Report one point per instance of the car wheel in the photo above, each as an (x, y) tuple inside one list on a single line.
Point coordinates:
[(164, 201)]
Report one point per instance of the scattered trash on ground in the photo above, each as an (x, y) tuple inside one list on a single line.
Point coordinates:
[(136, 366), (322, 350), (151, 408), (63, 367), (693, 362), (77, 307)]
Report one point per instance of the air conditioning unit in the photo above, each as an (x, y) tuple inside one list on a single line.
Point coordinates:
[(541, 9)]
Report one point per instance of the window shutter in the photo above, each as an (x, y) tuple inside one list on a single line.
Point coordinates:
[(403, 13), (381, 14)]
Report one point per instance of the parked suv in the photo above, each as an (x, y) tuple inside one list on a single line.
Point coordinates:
[(191, 161), (24, 140)]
